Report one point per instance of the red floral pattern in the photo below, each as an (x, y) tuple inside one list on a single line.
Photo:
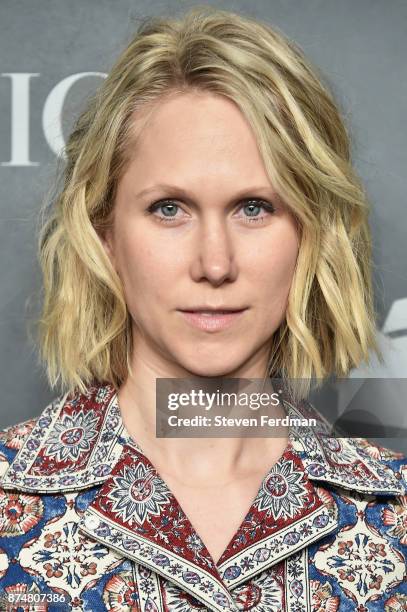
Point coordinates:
[(19, 513)]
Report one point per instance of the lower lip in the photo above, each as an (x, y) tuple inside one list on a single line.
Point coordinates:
[(212, 322)]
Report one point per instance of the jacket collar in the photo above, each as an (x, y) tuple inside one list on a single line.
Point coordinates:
[(77, 440), (73, 445), (80, 441), (136, 512)]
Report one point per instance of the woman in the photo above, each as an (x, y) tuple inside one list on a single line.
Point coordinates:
[(210, 225)]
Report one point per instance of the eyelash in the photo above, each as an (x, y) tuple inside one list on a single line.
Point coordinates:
[(267, 206)]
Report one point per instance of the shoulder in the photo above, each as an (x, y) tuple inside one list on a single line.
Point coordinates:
[(14, 437), (63, 405), (356, 463), (25, 437), (375, 450), (63, 449), (389, 459), (378, 517)]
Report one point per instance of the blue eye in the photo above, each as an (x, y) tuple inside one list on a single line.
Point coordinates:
[(168, 208), (253, 208)]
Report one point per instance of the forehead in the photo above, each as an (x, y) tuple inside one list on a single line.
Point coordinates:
[(194, 132)]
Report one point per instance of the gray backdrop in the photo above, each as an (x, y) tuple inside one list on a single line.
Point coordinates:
[(52, 55)]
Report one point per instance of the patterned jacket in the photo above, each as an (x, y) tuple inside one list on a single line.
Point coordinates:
[(85, 519)]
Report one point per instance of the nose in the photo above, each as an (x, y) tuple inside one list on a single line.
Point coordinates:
[(214, 256)]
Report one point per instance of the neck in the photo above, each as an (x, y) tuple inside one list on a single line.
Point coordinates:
[(228, 458)]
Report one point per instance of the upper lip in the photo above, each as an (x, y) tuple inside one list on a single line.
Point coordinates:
[(204, 308)]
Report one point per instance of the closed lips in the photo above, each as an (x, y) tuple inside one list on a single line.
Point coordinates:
[(213, 310), (212, 320)]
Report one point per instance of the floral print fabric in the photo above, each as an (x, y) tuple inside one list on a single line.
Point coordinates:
[(84, 514)]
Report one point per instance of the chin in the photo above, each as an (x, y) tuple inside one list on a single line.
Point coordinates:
[(211, 373), (210, 368), (212, 359)]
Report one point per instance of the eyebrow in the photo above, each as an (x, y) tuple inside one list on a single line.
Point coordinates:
[(248, 191)]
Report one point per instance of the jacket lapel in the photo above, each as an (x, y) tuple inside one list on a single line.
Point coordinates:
[(136, 513)]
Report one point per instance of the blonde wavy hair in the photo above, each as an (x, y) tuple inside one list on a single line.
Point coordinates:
[(84, 328)]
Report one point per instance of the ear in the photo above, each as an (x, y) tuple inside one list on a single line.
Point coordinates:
[(107, 239)]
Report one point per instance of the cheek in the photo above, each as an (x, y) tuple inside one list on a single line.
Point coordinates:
[(271, 269), (145, 271)]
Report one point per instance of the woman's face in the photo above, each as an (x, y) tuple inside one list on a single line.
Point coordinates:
[(198, 227)]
